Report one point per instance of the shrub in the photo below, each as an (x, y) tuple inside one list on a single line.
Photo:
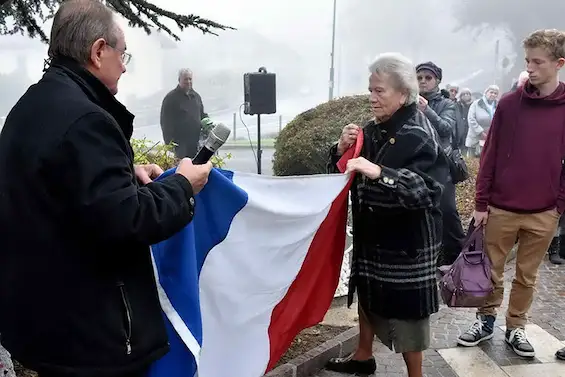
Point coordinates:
[(302, 146), (150, 152)]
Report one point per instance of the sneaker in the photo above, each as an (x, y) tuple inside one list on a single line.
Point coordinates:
[(480, 331), (347, 365), (518, 340), (560, 354), (553, 252)]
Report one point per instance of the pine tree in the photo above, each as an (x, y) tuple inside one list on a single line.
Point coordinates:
[(23, 16)]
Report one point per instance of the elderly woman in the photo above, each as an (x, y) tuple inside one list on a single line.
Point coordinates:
[(453, 90), (396, 219), (480, 117), (442, 114), (463, 105)]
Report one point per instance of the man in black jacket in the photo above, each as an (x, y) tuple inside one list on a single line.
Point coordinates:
[(441, 113), (77, 218), (182, 112)]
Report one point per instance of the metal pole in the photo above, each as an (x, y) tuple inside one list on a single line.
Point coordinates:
[(259, 151), (496, 58), (280, 123), (234, 126), (332, 68)]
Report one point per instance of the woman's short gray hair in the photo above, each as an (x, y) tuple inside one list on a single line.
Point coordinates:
[(77, 25), (401, 70), (493, 88)]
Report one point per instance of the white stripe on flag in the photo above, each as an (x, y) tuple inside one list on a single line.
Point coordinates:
[(175, 319), (249, 273)]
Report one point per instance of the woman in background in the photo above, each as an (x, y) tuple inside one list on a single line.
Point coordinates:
[(463, 105), (480, 117)]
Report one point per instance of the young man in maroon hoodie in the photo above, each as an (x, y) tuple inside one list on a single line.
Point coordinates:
[(520, 188)]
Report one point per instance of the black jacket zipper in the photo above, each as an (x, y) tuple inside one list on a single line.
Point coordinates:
[(127, 307)]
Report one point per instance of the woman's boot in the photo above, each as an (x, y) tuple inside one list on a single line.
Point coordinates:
[(554, 251)]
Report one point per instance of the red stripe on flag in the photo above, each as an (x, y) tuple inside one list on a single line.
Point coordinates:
[(311, 293)]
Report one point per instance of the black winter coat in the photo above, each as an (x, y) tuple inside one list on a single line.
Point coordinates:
[(181, 116), (77, 285), (442, 115)]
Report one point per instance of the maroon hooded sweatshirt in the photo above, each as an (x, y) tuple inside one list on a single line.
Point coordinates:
[(522, 160)]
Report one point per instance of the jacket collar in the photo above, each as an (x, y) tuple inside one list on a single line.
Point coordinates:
[(96, 91), (386, 130)]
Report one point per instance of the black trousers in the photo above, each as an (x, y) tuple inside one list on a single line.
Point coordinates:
[(453, 233)]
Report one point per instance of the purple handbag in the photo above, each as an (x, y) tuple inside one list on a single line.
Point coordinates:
[(467, 283)]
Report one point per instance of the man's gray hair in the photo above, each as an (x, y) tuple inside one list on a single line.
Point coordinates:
[(77, 25), (184, 72), (401, 70)]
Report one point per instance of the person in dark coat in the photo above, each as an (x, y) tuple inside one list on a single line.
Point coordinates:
[(396, 219), (460, 132), (441, 113), (77, 218), (453, 91), (182, 112)]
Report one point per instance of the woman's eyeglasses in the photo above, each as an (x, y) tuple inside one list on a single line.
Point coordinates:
[(427, 78)]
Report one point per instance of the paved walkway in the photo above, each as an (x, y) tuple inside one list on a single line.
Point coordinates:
[(546, 331)]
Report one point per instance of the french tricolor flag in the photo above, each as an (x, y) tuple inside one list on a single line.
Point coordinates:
[(259, 263)]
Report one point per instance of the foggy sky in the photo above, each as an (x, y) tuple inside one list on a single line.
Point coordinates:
[(303, 28)]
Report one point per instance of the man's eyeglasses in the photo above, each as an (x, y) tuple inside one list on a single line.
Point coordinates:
[(124, 55)]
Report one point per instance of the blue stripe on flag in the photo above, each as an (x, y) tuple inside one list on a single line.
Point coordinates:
[(179, 261)]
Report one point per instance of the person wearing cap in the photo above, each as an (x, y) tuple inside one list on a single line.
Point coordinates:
[(463, 104), (453, 90), (442, 114)]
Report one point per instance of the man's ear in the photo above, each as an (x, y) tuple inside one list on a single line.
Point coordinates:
[(96, 52)]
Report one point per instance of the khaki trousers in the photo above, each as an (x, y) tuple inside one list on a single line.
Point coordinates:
[(535, 231)]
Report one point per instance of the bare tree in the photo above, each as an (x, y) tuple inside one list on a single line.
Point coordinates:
[(25, 16)]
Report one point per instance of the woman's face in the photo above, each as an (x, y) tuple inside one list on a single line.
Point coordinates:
[(492, 95), (427, 81), (384, 97), (466, 97)]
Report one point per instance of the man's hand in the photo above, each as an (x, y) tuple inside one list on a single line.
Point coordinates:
[(422, 103), (363, 166), (147, 173), (197, 175), (480, 218)]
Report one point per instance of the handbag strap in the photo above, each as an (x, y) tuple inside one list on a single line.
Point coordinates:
[(474, 237)]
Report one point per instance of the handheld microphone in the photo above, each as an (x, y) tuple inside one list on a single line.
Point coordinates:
[(217, 137)]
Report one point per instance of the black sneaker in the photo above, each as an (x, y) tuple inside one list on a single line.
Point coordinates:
[(480, 331), (560, 354), (349, 366), (553, 252), (518, 340)]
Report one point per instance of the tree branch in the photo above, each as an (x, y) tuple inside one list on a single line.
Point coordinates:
[(22, 16)]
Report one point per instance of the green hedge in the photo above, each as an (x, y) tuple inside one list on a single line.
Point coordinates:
[(302, 146)]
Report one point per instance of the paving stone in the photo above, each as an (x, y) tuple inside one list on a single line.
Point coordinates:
[(547, 312)]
